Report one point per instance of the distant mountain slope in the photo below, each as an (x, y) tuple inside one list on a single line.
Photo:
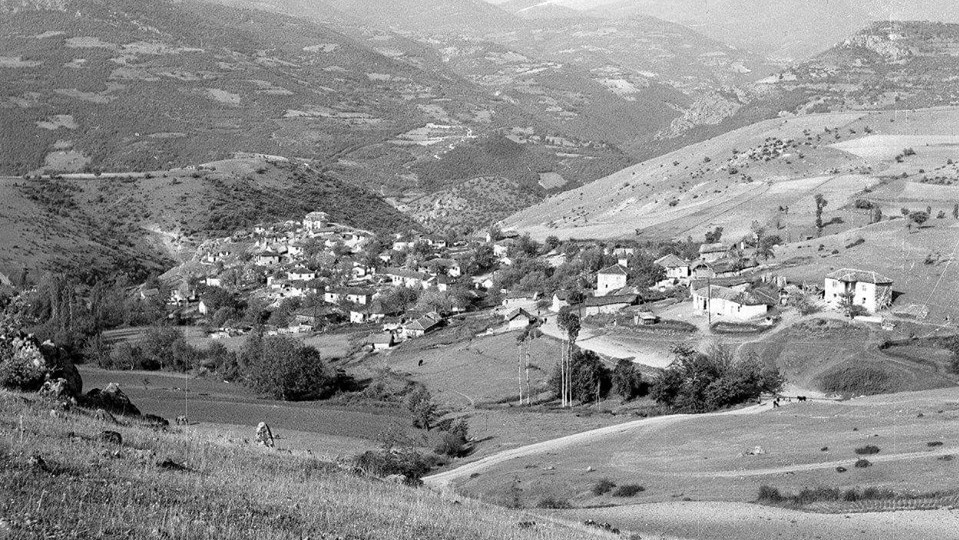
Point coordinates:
[(143, 85), (473, 17), (898, 65), (778, 28), (540, 9)]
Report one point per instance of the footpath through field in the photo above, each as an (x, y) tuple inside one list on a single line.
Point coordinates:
[(444, 480)]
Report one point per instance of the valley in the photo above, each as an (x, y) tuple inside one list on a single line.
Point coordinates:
[(478, 269)]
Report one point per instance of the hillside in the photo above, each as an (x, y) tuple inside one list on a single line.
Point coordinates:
[(889, 65), (699, 479), (141, 224), (777, 29), (182, 482), (623, 82), (154, 85)]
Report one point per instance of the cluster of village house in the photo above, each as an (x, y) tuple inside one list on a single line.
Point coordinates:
[(718, 284)]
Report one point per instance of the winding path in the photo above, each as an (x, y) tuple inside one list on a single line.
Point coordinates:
[(444, 480)]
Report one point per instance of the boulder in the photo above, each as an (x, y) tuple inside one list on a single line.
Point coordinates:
[(396, 479), (110, 399), (26, 364), (111, 437)]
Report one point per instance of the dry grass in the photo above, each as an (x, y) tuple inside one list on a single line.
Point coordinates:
[(90, 489)]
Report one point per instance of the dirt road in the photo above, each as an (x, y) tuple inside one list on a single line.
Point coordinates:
[(444, 480)]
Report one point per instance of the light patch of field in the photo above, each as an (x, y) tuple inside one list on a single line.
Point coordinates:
[(322, 47), (222, 96), (379, 76), (915, 191), (551, 180), (63, 145), (76, 63), (133, 74), (887, 147), (49, 34), (93, 97), (475, 371), (89, 42), (17, 62), (265, 87), (430, 135), (65, 161), (621, 87), (26, 101), (156, 48), (58, 121), (389, 52), (167, 135), (435, 111)]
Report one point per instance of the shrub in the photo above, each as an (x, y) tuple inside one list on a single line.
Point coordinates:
[(934, 444), (857, 379), (628, 490), (603, 487), (286, 369), (867, 450), (411, 464), (554, 503), (862, 463)]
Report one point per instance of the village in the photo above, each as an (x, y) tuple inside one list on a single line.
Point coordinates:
[(314, 276)]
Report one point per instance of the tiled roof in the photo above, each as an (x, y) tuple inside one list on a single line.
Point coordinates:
[(850, 275), (615, 270), (596, 301), (671, 261)]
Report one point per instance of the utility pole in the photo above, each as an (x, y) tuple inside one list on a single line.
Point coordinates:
[(709, 302)]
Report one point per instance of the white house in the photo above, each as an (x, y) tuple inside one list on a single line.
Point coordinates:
[(870, 290), (316, 220), (725, 302), (301, 274), (611, 279), (519, 319), (677, 270)]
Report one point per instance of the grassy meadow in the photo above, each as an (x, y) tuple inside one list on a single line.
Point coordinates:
[(175, 484)]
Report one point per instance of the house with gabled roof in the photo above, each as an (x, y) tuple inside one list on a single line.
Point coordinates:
[(609, 304), (870, 290), (734, 303), (519, 319), (677, 270), (611, 279), (712, 252)]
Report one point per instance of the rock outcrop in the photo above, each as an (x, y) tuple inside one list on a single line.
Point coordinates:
[(110, 399), (28, 365)]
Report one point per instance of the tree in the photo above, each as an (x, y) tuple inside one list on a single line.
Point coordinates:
[(291, 371), (525, 341), (955, 212), (588, 379), (702, 382), (821, 203), (628, 382), (422, 408), (569, 323), (876, 216), (551, 243), (919, 218), (434, 300), (714, 236)]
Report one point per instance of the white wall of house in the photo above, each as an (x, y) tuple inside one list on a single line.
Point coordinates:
[(607, 283)]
